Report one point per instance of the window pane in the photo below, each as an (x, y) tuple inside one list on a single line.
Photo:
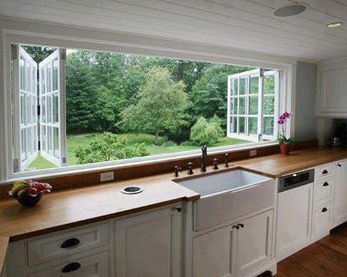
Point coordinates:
[(242, 102), (243, 86), (235, 86), (49, 78), (269, 84), (55, 74), (56, 142), (253, 125), (233, 124), (22, 73), (49, 109), (22, 108), (43, 109), (268, 126), (44, 133), (233, 105), (55, 108), (269, 105), (254, 85), (242, 123), (43, 81), (253, 105)]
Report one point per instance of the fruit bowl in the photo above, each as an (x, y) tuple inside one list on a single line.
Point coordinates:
[(28, 193)]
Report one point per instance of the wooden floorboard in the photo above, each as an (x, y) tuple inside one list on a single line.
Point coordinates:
[(325, 258)]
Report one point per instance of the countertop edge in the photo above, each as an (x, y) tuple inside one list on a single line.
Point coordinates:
[(4, 241)]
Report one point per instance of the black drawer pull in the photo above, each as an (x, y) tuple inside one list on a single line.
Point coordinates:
[(71, 267), (325, 184), (70, 243), (325, 171), (339, 165), (324, 210)]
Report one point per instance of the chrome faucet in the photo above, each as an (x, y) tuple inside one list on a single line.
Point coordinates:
[(203, 158)]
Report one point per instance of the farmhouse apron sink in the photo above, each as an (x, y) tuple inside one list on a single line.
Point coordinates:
[(229, 195)]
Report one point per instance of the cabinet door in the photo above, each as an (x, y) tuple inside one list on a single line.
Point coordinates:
[(254, 243), (212, 253), (340, 200), (149, 245)]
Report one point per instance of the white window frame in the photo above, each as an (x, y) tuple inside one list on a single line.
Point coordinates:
[(231, 116), (128, 44)]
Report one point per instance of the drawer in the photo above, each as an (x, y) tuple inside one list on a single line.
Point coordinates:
[(94, 265), (323, 191), (323, 171), (58, 245), (322, 220)]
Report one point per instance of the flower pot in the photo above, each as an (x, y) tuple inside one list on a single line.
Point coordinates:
[(285, 148)]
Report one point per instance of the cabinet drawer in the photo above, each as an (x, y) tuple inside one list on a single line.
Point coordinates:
[(58, 245), (323, 191), (94, 265), (323, 171), (322, 220)]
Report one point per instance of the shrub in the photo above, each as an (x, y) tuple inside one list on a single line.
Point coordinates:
[(108, 147), (206, 132)]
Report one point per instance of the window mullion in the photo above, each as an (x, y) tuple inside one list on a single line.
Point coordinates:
[(260, 105)]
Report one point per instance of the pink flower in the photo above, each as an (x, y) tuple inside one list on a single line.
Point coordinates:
[(281, 121)]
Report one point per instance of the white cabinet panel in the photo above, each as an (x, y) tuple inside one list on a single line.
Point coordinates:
[(293, 220), (254, 243), (340, 197), (149, 245), (212, 253), (322, 219), (323, 191)]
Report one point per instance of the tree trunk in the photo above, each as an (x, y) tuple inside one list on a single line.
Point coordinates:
[(156, 139)]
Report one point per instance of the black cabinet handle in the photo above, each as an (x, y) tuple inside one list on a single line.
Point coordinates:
[(178, 210), (325, 171), (70, 243), (325, 184), (71, 267), (236, 227), (339, 165), (324, 210), (241, 225)]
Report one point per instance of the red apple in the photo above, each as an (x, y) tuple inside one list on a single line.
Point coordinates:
[(32, 191)]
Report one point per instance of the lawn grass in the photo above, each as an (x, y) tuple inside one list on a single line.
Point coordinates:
[(74, 141)]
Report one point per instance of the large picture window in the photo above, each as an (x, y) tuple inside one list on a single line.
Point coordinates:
[(76, 107)]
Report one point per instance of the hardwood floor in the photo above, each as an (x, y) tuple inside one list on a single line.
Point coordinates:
[(325, 258)]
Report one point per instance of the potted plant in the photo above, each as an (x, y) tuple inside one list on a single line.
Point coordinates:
[(285, 143)]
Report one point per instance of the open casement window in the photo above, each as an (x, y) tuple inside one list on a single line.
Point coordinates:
[(52, 108), (253, 105), (35, 134), (25, 109)]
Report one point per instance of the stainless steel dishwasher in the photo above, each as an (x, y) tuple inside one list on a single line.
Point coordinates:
[(294, 212)]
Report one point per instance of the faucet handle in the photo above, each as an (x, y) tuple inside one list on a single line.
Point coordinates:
[(177, 169), (226, 159), (190, 168), (215, 163)]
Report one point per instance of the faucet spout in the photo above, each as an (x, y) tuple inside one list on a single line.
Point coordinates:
[(203, 158)]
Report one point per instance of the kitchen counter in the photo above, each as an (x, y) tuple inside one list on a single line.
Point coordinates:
[(3, 250), (74, 207)]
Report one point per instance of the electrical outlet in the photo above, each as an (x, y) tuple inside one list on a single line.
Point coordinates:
[(253, 153), (106, 176)]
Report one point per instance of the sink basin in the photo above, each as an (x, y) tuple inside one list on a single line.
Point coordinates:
[(222, 182), (227, 196)]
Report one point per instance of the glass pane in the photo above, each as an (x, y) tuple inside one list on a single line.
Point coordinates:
[(49, 109), (269, 84), (242, 125), (235, 86), (43, 81), (269, 105), (254, 85), (243, 86), (233, 125), (56, 142), (33, 109), (253, 105), (43, 130), (22, 137), (22, 73), (242, 103), (49, 78), (33, 85), (233, 107), (27, 109), (253, 125), (55, 74), (268, 126), (49, 139), (22, 108), (28, 79), (55, 108)]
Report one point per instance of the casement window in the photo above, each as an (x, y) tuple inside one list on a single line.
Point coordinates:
[(253, 105), (38, 109)]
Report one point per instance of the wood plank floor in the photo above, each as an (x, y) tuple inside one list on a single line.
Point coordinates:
[(325, 258)]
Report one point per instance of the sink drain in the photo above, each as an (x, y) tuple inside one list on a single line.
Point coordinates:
[(132, 190)]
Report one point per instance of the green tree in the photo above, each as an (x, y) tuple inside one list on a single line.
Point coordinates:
[(162, 105), (206, 132), (38, 53)]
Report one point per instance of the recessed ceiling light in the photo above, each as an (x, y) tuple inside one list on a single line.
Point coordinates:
[(290, 10), (334, 24)]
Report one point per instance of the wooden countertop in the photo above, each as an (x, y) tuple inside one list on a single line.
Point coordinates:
[(74, 207), (3, 249), (279, 165)]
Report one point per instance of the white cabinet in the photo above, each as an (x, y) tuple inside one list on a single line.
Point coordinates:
[(294, 210), (340, 195), (241, 249), (149, 245)]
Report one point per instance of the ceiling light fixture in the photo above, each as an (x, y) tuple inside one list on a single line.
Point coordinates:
[(334, 24), (290, 10)]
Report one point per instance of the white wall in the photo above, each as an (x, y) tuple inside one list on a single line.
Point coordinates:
[(305, 119)]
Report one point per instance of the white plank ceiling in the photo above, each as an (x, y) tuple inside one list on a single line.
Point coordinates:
[(244, 24)]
